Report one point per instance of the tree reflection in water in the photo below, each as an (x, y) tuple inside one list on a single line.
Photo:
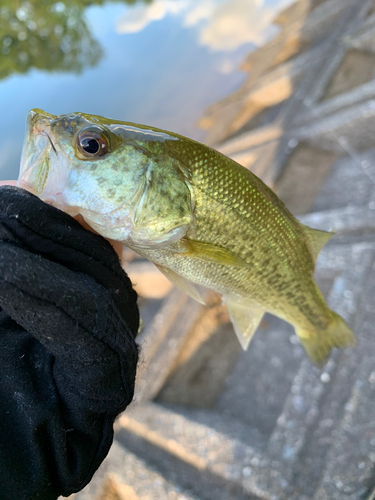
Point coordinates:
[(49, 36)]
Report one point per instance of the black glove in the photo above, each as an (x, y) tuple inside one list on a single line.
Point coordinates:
[(67, 351)]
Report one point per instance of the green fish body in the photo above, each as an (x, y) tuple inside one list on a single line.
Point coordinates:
[(199, 216)]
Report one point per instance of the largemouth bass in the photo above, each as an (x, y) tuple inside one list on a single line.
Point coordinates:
[(199, 216)]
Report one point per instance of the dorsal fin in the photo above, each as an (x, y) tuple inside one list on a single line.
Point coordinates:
[(316, 239)]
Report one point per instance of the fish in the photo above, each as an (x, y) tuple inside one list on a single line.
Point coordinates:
[(199, 216)]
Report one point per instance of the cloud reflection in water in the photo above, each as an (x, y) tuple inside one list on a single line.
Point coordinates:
[(222, 25)]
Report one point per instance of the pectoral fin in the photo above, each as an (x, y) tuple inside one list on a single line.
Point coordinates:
[(316, 240), (245, 320), (181, 283), (210, 253)]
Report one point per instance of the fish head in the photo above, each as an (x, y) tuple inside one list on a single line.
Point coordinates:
[(123, 178)]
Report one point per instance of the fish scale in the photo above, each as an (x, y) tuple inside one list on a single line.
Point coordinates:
[(248, 208), (199, 216)]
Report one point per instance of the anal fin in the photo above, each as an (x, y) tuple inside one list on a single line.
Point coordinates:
[(245, 319), (181, 283), (316, 239)]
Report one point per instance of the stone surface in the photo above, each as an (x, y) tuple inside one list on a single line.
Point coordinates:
[(351, 183), (310, 167), (357, 68), (123, 476)]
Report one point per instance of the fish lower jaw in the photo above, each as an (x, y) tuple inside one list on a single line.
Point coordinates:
[(105, 228), (21, 183), (59, 203)]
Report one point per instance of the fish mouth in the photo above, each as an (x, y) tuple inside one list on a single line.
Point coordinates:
[(37, 148)]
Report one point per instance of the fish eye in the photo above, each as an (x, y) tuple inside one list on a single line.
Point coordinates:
[(92, 142)]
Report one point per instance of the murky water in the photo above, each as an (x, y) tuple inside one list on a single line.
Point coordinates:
[(158, 62)]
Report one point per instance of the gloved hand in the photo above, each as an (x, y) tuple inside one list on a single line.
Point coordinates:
[(67, 351)]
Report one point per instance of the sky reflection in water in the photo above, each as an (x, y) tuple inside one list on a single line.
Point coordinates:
[(159, 63)]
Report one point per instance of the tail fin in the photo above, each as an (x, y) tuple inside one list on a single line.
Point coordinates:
[(318, 345)]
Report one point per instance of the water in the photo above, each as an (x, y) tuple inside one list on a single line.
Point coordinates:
[(159, 62)]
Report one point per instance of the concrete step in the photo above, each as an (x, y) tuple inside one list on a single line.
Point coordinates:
[(351, 183), (213, 451), (125, 476)]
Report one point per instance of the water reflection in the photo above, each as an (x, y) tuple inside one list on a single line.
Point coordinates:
[(222, 26), (49, 36), (56, 36)]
